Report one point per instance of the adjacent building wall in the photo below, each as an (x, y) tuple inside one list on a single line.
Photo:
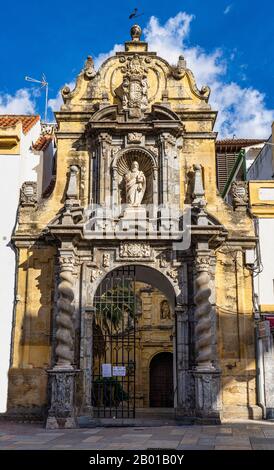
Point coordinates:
[(19, 163)]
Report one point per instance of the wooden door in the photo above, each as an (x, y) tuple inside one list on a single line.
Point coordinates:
[(161, 380)]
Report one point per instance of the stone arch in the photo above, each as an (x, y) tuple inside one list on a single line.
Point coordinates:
[(108, 113), (147, 163), (105, 328), (143, 274)]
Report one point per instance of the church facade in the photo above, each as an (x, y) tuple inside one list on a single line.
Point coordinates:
[(132, 288)]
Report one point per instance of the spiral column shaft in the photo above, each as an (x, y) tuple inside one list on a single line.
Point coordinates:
[(202, 313), (64, 334)]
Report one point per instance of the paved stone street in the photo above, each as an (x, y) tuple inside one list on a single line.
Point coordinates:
[(246, 435)]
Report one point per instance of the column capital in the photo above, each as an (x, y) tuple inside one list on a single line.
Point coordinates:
[(66, 261), (202, 260)]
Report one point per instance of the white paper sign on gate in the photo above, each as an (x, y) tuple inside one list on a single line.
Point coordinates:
[(119, 371), (106, 370)]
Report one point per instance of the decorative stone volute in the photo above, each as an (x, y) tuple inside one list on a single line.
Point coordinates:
[(66, 93)]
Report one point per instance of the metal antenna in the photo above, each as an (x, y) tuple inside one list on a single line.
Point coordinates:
[(44, 84)]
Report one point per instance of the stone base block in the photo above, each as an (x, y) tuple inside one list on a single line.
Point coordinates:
[(62, 413), (242, 412), (208, 409), (61, 423), (184, 416)]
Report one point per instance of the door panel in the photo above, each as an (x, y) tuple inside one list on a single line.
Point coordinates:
[(161, 380)]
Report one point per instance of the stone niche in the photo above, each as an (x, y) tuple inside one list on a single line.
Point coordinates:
[(123, 164)]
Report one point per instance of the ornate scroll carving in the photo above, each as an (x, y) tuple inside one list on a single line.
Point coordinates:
[(135, 250), (165, 258), (106, 260), (173, 274), (95, 273), (28, 194), (48, 129), (134, 137), (64, 349), (239, 191), (202, 312)]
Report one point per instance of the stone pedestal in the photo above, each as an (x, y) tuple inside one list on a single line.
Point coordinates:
[(133, 217), (62, 411), (207, 395)]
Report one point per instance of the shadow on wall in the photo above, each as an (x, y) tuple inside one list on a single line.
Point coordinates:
[(32, 337)]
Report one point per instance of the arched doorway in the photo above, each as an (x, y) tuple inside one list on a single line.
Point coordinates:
[(161, 380), (133, 307)]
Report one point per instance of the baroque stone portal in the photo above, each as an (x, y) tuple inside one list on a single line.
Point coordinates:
[(137, 133)]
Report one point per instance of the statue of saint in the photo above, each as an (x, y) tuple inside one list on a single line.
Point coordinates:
[(135, 185), (165, 310)]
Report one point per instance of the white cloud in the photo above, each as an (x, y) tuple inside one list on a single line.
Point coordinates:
[(105, 55), (169, 39), (22, 102), (227, 9), (242, 111), (55, 103)]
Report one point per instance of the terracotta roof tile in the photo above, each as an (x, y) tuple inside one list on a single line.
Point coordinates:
[(42, 142), (9, 120), (239, 142)]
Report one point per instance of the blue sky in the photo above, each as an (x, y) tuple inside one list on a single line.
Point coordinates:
[(228, 43)]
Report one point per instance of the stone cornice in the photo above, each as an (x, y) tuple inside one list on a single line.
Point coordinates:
[(200, 135)]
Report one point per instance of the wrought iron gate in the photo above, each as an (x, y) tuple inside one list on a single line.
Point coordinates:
[(114, 331)]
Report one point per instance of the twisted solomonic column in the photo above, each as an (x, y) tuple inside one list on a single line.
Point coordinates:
[(64, 334), (202, 313)]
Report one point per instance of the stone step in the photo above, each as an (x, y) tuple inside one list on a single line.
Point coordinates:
[(88, 422)]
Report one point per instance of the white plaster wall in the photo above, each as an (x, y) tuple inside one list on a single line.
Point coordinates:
[(14, 170), (261, 168), (251, 154), (264, 282)]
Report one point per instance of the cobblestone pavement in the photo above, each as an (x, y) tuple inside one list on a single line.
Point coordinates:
[(245, 435)]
